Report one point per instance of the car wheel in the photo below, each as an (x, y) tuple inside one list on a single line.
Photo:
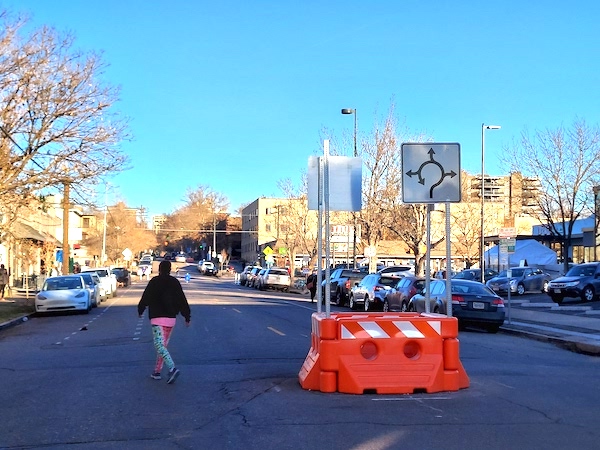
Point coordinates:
[(545, 287), (492, 328), (410, 308), (386, 305), (587, 295), (404, 307), (115, 293), (352, 303), (335, 298), (436, 310), (520, 289), (366, 304)]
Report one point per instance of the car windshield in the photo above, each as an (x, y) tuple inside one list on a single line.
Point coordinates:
[(516, 273), (58, 284), (278, 272), (581, 271), (471, 288)]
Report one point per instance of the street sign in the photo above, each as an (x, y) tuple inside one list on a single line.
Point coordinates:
[(127, 254), (507, 232), (268, 250), (430, 172)]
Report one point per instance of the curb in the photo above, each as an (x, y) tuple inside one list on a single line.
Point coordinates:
[(16, 321), (586, 347)]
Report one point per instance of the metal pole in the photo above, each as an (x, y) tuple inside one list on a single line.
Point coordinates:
[(214, 249), (482, 251), (448, 264), (354, 213), (66, 253), (428, 259)]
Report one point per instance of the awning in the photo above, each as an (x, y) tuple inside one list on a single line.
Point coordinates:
[(23, 231)]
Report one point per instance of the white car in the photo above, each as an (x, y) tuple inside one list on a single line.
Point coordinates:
[(94, 285), (107, 279), (181, 257), (64, 293)]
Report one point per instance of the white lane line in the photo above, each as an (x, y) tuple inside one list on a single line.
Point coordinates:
[(276, 331)]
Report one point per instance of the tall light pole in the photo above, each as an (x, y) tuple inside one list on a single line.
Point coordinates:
[(353, 111), (482, 237)]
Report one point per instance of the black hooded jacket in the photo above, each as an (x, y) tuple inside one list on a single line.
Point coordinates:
[(164, 297)]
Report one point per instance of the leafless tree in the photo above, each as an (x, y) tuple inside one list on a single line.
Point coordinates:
[(203, 211), (57, 119), (567, 163)]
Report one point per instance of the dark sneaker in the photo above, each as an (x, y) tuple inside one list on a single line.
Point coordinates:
[(156, 376), (173, 374)]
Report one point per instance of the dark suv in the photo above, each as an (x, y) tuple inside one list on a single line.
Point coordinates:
[(582, 280)]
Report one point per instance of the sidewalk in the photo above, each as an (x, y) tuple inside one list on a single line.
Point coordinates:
[(573, 332)]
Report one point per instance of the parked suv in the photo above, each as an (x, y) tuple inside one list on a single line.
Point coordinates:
[(371, 291), (582, 280), (107, 279), (275, 278)]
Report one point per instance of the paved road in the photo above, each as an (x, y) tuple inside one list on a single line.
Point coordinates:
[(82, 382)]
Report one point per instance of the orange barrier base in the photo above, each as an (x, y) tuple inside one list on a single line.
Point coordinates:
[(391, 353)]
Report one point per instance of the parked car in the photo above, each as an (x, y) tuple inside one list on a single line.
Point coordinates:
[(63, 293), (245, 273), (256, 280), (473, 303), (181, 257), (94, 285), (108, 280), (475, 275), (396, 271), (341, 281), (582, 280), (400, 294), (371, 291), (123, 276), (521, 280), (275, 278), (252, 275)]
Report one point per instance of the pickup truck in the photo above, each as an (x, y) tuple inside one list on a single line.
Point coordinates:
[(341, 281)]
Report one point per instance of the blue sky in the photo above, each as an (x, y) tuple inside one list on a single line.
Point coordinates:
[(235, 95)]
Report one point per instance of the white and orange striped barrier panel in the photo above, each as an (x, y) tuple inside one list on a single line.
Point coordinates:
[(384, 353)]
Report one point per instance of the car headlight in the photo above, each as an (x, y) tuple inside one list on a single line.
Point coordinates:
[(80, 294), (513, 282)]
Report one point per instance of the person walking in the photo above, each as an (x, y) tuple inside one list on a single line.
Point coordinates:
[(3, 279), (164, 298), (311, 284)]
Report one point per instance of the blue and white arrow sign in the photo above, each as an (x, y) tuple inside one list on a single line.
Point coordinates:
[(430, 172)]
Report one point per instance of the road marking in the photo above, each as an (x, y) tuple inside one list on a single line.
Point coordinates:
[(276, 331), (236, 310)]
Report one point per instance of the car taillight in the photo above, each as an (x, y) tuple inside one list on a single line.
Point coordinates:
[(458, 300), (498, 302), (347, 284)]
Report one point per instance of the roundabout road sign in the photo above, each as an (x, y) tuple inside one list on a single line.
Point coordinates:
[(430, 172)]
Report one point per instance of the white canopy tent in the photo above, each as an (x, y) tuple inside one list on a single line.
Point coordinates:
[(529, 250)]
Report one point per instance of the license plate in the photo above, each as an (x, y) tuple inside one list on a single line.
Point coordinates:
[(478, 305), (557, 291)]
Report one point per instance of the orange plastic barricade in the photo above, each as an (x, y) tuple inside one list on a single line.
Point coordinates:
[(384, 353)]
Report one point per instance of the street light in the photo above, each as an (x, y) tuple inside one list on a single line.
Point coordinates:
[(482, 256), (353, 111)]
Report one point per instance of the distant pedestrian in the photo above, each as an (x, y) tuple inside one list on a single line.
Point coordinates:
[(164, 298), (311, 284), (3, 279)]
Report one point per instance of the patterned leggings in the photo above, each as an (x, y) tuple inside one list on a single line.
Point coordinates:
[(161, 340)]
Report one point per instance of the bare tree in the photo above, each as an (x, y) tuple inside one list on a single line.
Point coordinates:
[(203, 212), (567, 163), (57, 122), (299, 223)]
